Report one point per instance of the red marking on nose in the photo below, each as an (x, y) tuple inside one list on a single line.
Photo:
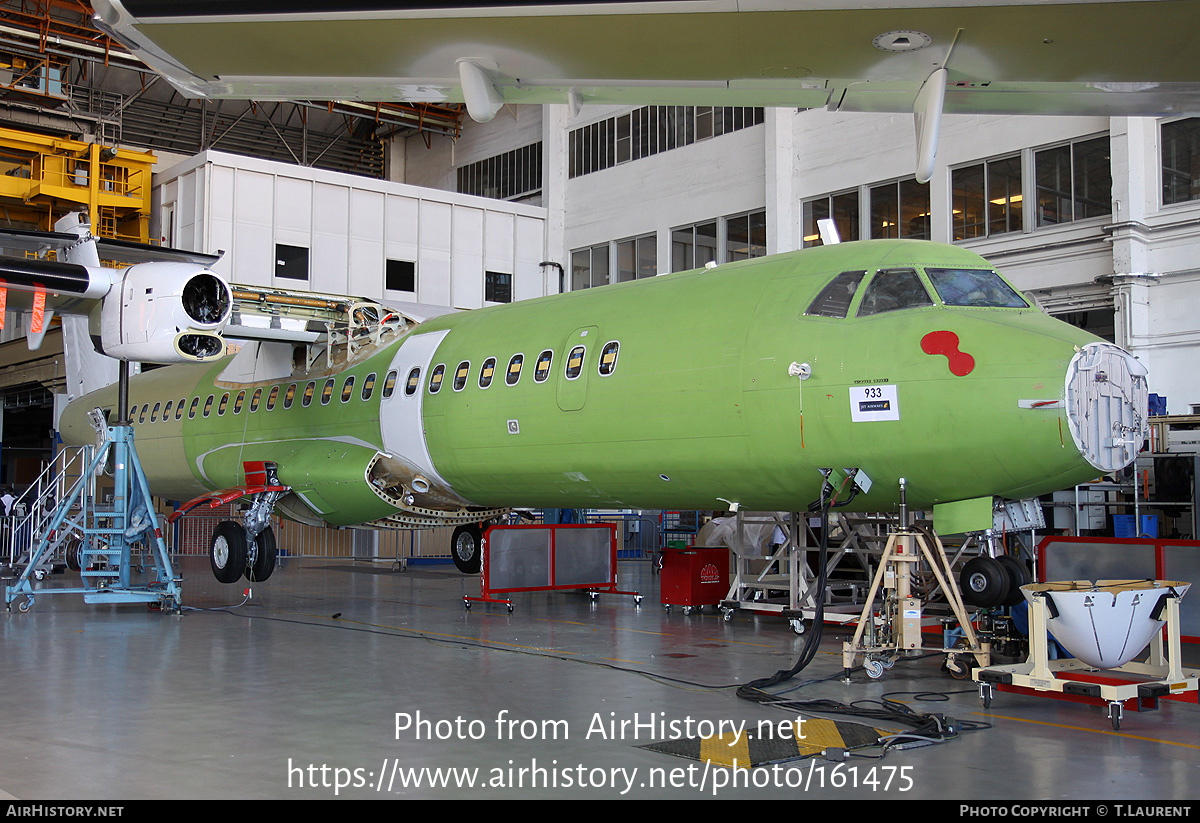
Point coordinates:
[(946, 342)]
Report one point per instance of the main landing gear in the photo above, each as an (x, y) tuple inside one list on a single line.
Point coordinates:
[(466, 548), (247, 548)]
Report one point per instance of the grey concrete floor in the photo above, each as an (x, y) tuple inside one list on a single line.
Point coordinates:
[(298, 691)]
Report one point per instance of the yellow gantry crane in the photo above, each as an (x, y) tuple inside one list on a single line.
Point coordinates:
[(42, 177)]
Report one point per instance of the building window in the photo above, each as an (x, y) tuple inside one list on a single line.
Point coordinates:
[(987, 198), (589, 267), (510, 176), (651, 130), (693, 246), (842, 208), (291, 262), (1074, 182), (497, 287), (400, 275), (635, 258), (1181, 161), (745, 236), (900, 209)]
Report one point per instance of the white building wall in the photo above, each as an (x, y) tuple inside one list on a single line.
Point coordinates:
[(717, 177), (351, 226)]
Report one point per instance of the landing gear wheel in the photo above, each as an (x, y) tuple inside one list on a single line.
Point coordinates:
[(874, 669), (984, 582), (465, 548), (227, 552), (1018, 574), (264, 561)]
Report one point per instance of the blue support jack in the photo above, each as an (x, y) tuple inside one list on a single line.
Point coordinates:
[(108, 535)]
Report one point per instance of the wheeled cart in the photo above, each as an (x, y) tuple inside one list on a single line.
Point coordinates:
[(1138, 686), (694, 577)]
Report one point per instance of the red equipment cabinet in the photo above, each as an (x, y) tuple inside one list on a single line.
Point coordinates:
[(695, 576)]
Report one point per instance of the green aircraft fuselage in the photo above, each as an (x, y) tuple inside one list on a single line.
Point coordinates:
[(684, 391)]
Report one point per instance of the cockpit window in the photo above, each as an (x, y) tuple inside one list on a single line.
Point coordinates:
[(892, 290), (974, 287), (834, 299)]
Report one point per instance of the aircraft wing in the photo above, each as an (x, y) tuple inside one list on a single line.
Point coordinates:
[(1136, 57)]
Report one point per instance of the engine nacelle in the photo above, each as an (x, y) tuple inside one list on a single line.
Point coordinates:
[(165, 312)]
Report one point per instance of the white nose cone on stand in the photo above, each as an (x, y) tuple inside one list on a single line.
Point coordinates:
[(1105, 623)]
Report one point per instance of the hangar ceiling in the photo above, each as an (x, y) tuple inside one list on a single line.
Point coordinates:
[(58, 73)]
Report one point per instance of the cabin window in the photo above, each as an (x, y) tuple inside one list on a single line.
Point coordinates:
[(142, 416), (166, 411), (272, 397), (154, 411), (239, 402), (223, 404), (542, 370), (608, 358), (413, 382), (348, 389), (974, 287), (208, 404), (132, 412), (514, 369), (255, 399), (307, 397), (487, 372), (389, 384), (368, 386), (575, 362), (892, 290), (179, 408), (435, 378), (327, 391), (834, 300), (460, 375), (289, 396), (192, 408)]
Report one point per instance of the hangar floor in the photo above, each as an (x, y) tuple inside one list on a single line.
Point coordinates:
[(290, 694)]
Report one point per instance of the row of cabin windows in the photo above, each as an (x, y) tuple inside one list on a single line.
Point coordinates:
[(256, 399), (574, 367), (512, 374)]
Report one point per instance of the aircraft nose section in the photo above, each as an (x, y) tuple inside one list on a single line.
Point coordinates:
[(1107, 403)]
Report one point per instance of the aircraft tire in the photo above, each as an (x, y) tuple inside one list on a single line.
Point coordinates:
[(984, 582), (264, 561), (466, 548), (1018, 574), (227, 553)]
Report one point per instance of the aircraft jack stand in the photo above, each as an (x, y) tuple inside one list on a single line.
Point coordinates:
[(107, 535), (1162, 675), (900, 631)]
